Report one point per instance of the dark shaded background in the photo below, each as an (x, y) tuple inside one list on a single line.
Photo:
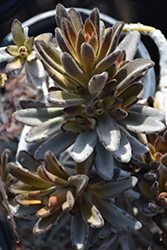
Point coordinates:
[(149, 12)]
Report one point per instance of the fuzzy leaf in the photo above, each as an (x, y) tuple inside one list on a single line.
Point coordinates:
[(79, 231), (25, 200), (104, 162), (63, 99), (44, 130), (136, 145), (117, 216), (84, 145), (116, 30), (140, 123), (44, 224), (129, 72), (69, 203), (106, 62), (54, 166), (79, 182), (46, 175), (15, 64), (35, 67), (124, 153), (90, 214), (28, 161), (97, 82), (13, 50), (35, 117), (87, 57), (113, 188), (105, 46), (130, 44), (18, 33), (108, 133), (73, 70), (28, 177), (52, 145), (76, 19)]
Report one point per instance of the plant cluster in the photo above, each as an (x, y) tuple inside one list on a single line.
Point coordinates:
[(92, 157)]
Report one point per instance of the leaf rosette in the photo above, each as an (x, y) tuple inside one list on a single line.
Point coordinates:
[(49, 190), (94, 102)]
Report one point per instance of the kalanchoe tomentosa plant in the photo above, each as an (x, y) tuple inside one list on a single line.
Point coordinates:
[(97, 86), (92, 112), (51, 191)]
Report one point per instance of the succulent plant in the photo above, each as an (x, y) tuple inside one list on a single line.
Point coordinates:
[(23, 54), (97, 86), (90, 139), (50, 191)]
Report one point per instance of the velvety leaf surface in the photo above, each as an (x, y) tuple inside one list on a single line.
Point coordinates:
[(79, 231), (52, 145), (117, 216), (35, 117), (104, 163), (108, 133), (113, 188), (84, 145)]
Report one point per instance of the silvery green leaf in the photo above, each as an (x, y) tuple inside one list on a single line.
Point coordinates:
[(15, 64), (105, 46), (79, 182), (60, 13), (49, 56), (56, 148), (106, 62), (124, 153), (117, 29), (116, 216), (4, 56), (85, 166), (73, 70), (130, 44), (54, 166), (25, 104), (44, 130), (35, 117), (28, 161), (90, 213), (113, 188), (18, 33), (141, 123), (136, 145), (130, 71), (95, 18), (97, 82), (36, 68), (47, 176), (31, 78), (79, 231), (44, 224), (104, 163), (108, 133), (84, 145), (64, 99), (149, 111), (87, 58), (76, 19), (26, 176)]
